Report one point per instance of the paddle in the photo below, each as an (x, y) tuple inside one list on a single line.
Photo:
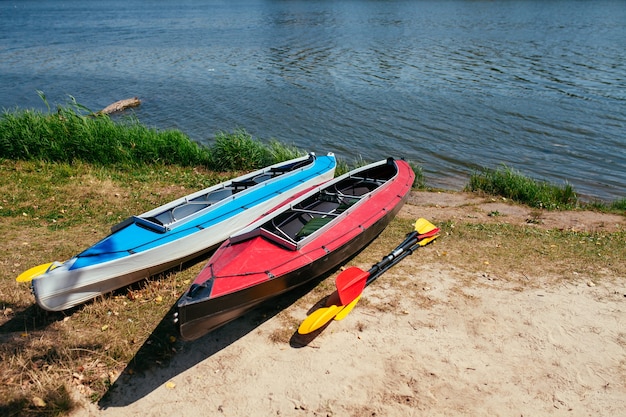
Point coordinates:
[(33, 272), (323, 315), (351, 282), (320, 317), (347, 309), (423, 242)]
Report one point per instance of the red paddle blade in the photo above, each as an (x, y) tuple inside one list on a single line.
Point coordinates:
[(350, 284), (428, 234)]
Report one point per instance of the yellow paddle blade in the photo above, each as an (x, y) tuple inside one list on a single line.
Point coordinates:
[(318, 319), (423, 226), (347, 309), (28, 276), (427, 240)]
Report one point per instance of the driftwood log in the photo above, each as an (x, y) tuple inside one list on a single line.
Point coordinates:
[(120, 105)]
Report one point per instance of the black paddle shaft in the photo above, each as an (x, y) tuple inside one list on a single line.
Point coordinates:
[(393, 258), (393, 261)]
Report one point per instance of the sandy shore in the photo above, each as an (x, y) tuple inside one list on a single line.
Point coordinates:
[(437, 344)]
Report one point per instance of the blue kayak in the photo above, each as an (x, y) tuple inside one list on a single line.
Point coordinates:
[(169, 235)]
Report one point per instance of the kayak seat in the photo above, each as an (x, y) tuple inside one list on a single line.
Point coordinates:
[(312, 226), (315, 223), (359, 188), (216, 196), (323, 206), (188, 209), (311, 215), (333, 205), (262, 178), (244, 184), (165, 217), (192, 206)]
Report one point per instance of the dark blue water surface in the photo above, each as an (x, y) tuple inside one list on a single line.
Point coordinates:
[(452, 85)]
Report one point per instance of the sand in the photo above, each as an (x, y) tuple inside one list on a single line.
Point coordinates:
[(439, 344)]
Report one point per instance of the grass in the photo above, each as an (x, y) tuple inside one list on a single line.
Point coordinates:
[(69, 136), (52, 211), (510, 251), (509, 183), (73, 134), (239, 151), (514, 257), (614, 206)]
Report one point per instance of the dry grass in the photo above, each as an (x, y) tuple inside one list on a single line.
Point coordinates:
[(52, 211)]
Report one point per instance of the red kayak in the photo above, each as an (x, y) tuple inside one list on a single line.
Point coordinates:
[(294, 244)]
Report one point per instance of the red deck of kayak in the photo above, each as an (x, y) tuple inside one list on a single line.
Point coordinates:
[(236, 266)]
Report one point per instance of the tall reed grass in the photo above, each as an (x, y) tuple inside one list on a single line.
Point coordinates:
[(509, 183), (239, 151), (68, 136), (73, 133)]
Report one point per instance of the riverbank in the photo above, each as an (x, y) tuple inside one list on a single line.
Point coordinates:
[(513, 309)]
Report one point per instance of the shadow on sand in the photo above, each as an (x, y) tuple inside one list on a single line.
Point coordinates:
[(160, 359), (298, 340)]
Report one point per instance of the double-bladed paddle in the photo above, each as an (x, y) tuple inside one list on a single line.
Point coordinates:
[(351, 282)]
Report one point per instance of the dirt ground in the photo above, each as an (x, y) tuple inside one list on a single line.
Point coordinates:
[(468, 348)]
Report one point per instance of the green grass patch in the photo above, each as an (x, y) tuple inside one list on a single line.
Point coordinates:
[(69, 136), (240, 151), (419, 182), (619, 205), (506, 182), (73, 134)]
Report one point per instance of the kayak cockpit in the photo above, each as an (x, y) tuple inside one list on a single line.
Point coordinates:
[(165, 218), (299, 221)]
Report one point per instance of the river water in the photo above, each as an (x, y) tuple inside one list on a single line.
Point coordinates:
[(452, 85)]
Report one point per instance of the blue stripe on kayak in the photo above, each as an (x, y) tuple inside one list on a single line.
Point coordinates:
[(134, 239)]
